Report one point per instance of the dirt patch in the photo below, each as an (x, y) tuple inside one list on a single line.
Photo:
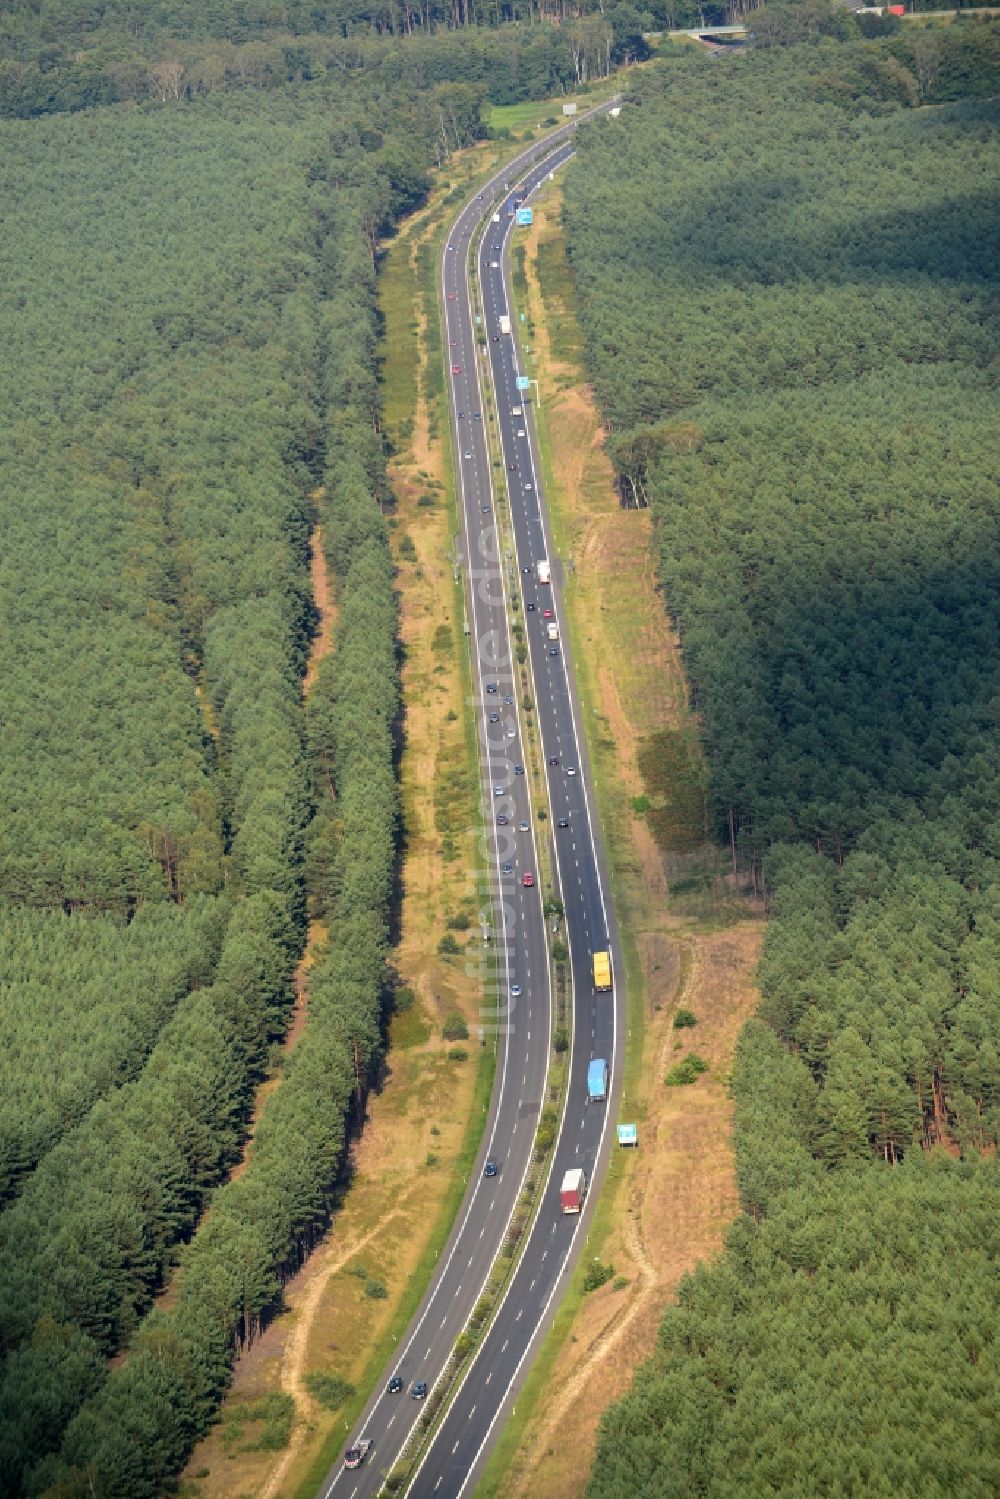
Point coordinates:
[(323, 599), (678, 1192)]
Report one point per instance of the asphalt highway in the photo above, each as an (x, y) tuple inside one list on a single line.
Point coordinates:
[(516, 1014)]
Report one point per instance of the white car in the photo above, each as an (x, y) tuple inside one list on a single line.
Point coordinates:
[(494, 265), (520, 431)]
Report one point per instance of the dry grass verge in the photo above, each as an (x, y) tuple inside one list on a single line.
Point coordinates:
[(678, 1192)]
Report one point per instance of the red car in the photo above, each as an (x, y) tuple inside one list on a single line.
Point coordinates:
[(451, 296), (546, 613), (456, 369), (527, 880)]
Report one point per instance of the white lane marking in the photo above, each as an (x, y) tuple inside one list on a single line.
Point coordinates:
[(553, 160)]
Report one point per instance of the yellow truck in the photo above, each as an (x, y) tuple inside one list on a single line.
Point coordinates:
[(602, 972)]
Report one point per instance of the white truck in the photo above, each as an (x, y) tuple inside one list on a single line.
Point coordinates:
[(544, 575), (573, 1191), (552, 630), (504, 323)]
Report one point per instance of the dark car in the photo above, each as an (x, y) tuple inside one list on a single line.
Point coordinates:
[(502, 821), (507, 868), (553, 759), (532, 606), (526, 569), (491, 1168), (355, 1456), (508, 700), (563, 822), (553, 650), (395, 1385), (519, 770), (419, 1390), (494, 717), (491, 687)]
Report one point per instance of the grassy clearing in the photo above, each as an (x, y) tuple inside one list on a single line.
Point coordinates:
[(664, 1206), (537, 118)]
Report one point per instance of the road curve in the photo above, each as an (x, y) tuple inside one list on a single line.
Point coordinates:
[(455, 1457), (516, 1014)]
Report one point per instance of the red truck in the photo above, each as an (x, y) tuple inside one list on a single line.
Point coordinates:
[(573, 1191), (355, 1456)]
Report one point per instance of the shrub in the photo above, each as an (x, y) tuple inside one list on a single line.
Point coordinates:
[(460, 922), (403, 999), (375, 1290), (328, 1389), (686, 1071), (455, 1028), (561, 1039), (464, 1344), (684, 1019), (274, 1413), (457, 1054), (597, 1275), (448, 947)]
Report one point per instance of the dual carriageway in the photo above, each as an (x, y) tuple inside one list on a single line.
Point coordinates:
[(502, 589)]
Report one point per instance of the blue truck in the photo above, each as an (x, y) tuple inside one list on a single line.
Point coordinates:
[(597, 1081)]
